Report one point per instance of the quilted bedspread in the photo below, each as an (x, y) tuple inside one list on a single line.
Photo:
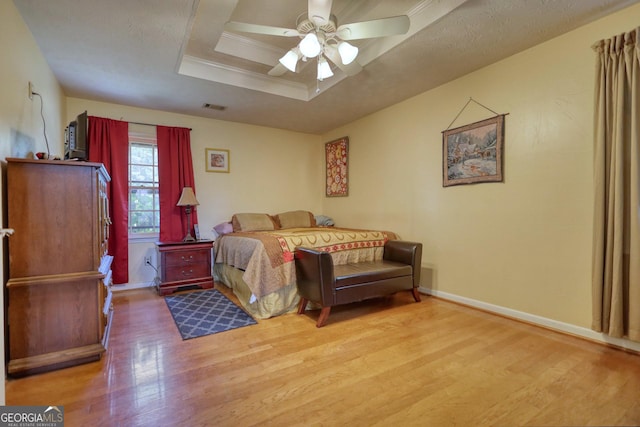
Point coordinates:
[(266, 257)]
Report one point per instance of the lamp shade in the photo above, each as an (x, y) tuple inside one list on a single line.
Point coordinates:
[(188, 198), (324, 70), (310, 46), (290, 60), (347, 52)]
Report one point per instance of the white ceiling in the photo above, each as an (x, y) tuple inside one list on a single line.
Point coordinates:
[(174, 55)]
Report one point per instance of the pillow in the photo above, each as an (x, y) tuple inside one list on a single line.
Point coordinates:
[(223, 228), (253, 222), (325, 221), (295, 219)]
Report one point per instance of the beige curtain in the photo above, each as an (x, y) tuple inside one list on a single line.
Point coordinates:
[(616, 249)]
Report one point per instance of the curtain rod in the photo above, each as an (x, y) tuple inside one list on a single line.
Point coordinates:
[(149, 124)]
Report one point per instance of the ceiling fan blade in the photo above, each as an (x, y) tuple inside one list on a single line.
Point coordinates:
[(351, 69), (278, 70), (260, 29), (392, 26), (320, 11)]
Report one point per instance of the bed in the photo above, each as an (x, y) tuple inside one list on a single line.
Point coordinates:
[(256, 259)]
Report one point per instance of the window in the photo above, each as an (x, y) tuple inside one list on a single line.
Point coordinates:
[(144, 204)]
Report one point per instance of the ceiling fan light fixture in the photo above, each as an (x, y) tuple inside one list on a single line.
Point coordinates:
[(324, 69), (290, 59), (348, 52), (310, 46)]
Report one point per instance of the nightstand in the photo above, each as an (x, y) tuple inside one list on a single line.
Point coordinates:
[(184, 264)]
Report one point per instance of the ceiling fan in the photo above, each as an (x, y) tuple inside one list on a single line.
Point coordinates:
[(322, 38)]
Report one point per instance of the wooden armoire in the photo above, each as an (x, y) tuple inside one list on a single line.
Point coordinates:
[(58, 296)]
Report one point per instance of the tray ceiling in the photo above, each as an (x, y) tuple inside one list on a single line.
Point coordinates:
[(174, 55)]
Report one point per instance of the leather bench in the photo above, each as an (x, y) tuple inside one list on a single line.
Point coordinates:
[(320, 281)]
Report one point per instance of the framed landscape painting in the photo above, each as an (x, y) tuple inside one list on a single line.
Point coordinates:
[(216, 160), (337, 163), (473, 153)]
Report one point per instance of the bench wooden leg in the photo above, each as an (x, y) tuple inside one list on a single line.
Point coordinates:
[(302, 305), (416, 294), (324, 315)]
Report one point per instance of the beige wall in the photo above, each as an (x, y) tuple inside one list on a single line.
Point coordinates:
[(271, 170), (22, 62), (524, 244)]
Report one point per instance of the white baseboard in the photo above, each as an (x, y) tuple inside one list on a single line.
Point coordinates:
[(130, 286), (536, 320)]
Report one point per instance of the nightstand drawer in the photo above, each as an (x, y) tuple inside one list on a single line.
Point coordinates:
[(186, 258), (174, 274)]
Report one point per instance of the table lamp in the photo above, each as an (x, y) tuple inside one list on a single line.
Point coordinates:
[(188, 199)]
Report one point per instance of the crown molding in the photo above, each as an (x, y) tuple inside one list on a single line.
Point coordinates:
[(247, 48), (221, 73)]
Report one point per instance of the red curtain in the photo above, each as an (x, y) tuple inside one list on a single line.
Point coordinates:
[(109, 144), (175, 167)]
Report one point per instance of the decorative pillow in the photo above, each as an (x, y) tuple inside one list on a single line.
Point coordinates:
[(223, 228), (253, 222), (296, 219)]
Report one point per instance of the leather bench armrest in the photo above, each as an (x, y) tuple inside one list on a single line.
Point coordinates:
[(314, 275), (407, 253)]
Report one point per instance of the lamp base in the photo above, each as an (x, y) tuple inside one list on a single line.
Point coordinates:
[(188, 237)]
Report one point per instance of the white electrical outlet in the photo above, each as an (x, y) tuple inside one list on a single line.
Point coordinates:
[(147, 260), (30, 90)]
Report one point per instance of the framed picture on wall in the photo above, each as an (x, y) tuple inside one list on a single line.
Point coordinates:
[(337, 166), (216, 160), (473, 153)]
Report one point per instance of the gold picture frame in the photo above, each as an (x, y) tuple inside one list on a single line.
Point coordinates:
[(217, 160)]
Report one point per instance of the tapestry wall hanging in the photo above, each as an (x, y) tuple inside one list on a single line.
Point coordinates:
[(337, 162), (473, 153)]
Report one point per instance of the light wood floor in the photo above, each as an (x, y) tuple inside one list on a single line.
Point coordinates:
[(387, 362)]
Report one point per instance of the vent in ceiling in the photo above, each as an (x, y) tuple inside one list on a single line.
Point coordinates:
[(214, 107)]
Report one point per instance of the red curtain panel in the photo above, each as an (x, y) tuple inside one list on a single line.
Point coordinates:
[(175, 167)]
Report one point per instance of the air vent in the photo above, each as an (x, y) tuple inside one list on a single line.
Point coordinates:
[(214, 107)]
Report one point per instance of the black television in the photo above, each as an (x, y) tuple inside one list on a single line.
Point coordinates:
[(76, 144)]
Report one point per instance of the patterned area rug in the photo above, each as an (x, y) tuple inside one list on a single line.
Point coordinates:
[(205, 312)]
